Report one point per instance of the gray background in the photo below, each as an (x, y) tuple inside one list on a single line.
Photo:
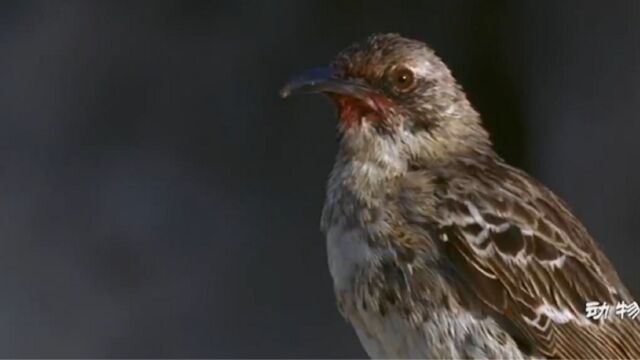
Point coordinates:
[(157, 198)]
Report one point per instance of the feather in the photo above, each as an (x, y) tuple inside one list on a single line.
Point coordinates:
[(528, 259)]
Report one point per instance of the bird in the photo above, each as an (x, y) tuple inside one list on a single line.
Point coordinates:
[(436, 246)]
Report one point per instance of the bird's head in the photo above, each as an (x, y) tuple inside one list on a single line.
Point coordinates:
[(396, 100)]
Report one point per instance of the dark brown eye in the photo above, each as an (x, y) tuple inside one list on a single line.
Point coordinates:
[(402, 79)]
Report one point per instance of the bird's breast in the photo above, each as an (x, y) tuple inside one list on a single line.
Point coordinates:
[(348, 252)]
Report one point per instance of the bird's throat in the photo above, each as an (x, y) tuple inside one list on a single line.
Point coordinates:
[(351, 110)]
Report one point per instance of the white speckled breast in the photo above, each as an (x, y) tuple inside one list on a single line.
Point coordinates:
[(347, 252)]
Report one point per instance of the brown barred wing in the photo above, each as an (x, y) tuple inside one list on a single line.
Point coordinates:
[(528, 259)]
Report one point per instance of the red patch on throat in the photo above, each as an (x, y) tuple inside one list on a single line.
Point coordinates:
[(352, 110)]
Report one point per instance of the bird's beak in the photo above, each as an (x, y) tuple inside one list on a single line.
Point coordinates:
[(325, 80)]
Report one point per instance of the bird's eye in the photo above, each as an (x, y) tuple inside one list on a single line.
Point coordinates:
[(402, 79)]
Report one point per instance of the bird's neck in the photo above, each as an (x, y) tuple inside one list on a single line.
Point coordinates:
[(367, 162), (370, 167), (357, 190), (361, 177)]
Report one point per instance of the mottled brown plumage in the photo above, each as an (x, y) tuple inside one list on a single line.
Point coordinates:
[(437, 247)]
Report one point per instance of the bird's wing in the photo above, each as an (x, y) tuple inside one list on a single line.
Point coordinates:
[(528, 259)]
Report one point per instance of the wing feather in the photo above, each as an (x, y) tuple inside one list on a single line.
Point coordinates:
[(530, 260)]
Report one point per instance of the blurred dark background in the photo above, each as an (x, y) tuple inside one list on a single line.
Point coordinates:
[(158, 199)]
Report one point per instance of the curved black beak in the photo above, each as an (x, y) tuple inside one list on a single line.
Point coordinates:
[(325, 80)]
